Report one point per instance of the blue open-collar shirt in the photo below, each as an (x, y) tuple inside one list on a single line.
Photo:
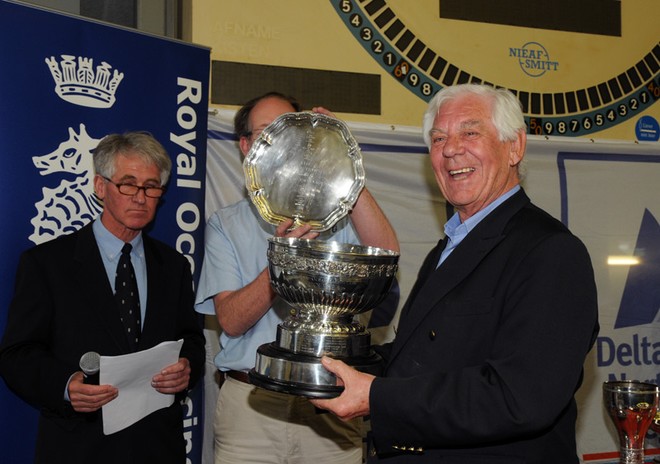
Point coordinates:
[(456, 231)]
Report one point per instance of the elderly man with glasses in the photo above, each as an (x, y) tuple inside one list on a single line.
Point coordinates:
[(70, 299)]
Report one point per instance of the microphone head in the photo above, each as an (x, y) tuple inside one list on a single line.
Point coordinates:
[(90, 363)]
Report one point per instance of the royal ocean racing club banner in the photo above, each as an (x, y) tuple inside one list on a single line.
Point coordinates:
[(66, 84), (607, 193)]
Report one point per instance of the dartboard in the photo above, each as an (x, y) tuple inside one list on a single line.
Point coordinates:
[(423, 52)]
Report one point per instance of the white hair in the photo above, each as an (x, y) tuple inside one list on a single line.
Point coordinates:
[(507, 111)]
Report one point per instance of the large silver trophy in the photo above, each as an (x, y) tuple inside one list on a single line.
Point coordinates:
[(327, 283), (632, 406), (308, 167)]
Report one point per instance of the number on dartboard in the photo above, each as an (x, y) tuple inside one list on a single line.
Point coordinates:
[(356, 20), (346, 6), (401, 70), (366, 34), (377, 47), (389, 58), (548, 128), (535, 126), (427, 89), (561, 127), (587, 123), (575, 125), (413, 79), (599, 119), (644, 97)]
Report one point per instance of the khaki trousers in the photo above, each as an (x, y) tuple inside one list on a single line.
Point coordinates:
[(253, 425)]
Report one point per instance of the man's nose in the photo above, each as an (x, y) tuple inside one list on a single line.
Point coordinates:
[(453, 146), (140, 196)]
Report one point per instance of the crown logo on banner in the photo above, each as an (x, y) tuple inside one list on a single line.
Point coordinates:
[(77, 82)]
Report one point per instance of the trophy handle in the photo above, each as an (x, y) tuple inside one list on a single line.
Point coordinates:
[(655, 425)]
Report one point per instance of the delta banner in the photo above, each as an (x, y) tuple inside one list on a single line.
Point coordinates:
[(66, 83), (607, 193)]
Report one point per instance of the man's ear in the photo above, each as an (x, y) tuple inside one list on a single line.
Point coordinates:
[(517, 149), (99, 186), (244, 145)]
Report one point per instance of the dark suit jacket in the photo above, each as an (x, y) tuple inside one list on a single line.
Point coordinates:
[(490, 347), (63, 306)]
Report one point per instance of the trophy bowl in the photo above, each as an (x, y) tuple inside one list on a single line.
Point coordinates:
[(632, 406), (327, 284)]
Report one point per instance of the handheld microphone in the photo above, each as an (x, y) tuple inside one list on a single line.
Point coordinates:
[(90, 364)]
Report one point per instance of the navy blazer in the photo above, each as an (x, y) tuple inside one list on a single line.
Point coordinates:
[(490, 347), (63, 306)]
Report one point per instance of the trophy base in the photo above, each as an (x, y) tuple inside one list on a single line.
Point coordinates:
[(303, 375)]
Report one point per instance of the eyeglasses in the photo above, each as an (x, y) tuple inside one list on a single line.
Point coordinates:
[(150, 191)]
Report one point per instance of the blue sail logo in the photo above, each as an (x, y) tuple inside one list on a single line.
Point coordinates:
[(640, 302)]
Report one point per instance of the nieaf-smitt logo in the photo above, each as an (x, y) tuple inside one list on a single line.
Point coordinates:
[(534, 59)]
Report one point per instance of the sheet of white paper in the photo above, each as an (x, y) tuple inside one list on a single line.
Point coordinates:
[(132, 374)]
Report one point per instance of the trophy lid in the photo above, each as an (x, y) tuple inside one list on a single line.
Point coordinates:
[(307, 167)]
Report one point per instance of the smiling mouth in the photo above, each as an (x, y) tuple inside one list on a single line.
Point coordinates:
[(461, 171)]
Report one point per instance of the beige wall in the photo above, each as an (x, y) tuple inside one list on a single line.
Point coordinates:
[(312, 34)]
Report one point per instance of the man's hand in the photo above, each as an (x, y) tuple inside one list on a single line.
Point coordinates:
[(324, 111), (89, 398), (303, 231), (174, 378), (354, 400)]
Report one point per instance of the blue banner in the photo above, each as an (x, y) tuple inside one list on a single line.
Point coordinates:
[(66, 83)]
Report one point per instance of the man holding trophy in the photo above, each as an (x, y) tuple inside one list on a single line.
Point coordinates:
[(491, 343), (254, 424)]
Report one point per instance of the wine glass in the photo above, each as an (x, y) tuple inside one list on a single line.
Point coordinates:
[(632, 406)]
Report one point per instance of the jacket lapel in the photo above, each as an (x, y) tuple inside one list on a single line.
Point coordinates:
[(155, 280), (437, 283), (428, 266), (95, 288)]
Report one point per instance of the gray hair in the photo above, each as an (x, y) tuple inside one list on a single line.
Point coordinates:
[(507, 111), (140, 144)]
